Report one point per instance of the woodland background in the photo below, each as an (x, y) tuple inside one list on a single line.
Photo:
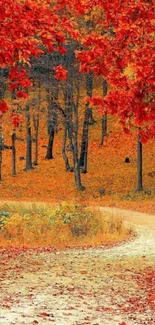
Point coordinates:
[(77, 101)]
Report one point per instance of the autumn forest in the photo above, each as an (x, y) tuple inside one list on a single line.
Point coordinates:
[(77, 156)]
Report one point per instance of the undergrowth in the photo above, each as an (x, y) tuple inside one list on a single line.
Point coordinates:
[(63, 226)]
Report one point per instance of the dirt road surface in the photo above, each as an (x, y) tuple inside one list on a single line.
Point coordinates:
[(97, 286)]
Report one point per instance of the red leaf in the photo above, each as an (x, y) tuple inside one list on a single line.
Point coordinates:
[(14, 85), (3, 107), (15, 119), (152, 298), (62, 50), (83, 272), (21, 94), (44, 314), (60, 73)]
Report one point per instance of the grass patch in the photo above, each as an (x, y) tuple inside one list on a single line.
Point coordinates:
[(63, 226)]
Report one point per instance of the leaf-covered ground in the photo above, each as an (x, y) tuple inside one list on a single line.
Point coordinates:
[(107, 170), (81, 287)]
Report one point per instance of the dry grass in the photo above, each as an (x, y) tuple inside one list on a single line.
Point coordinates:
[(60, 227)]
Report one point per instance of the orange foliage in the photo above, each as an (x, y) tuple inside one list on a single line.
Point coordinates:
[(107, 170)]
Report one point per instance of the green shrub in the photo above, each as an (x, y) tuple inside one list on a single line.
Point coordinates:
[(4, 215), (79, 221)]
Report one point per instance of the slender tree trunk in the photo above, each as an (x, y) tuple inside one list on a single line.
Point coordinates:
[(36, 119), (49, 154), (71, 120), (2, 94), (52, 118), (52, 122), (104, 117), (77, 171), (77, 174), (139, 165), (28, 140), (68, 132), (13, 153), (3, 83), (88, 120), (84, 144), (51, 133), (35, 163), (74, 143), (64, 155), (36, 149), (36, 127)]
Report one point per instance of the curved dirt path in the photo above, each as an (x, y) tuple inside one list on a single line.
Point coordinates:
[(81, 287)]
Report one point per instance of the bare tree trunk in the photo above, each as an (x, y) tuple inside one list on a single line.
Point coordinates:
[(2, 94), (64, 155), (68, 124), (77, 171), (88, 120), (84, 144), (139, 165), (13, 137), (71, 121), (36, 118), (104, 118), (28, 140), (52, 125), (3, 83), (49, 154), (36, 149)]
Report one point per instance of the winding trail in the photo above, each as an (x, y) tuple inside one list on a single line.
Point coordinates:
[(96, 286)]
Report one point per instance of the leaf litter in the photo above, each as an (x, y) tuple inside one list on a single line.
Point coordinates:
[(110, 286)]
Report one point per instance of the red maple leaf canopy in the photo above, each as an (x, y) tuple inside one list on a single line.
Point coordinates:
[(28, 28), (121, 50)]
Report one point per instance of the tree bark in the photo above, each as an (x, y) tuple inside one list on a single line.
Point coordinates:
[(36, 118), (52, 125), (64, 155), (104, 117), (84, 144), (68, 116), (77, 171), (28, 140), (88, 120), (71, 120), (36, 151), (52, 98), (139, 165), (74, 146), (49, 154)]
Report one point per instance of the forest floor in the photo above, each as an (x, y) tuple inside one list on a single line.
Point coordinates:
[(97, 286), (109, 181)]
